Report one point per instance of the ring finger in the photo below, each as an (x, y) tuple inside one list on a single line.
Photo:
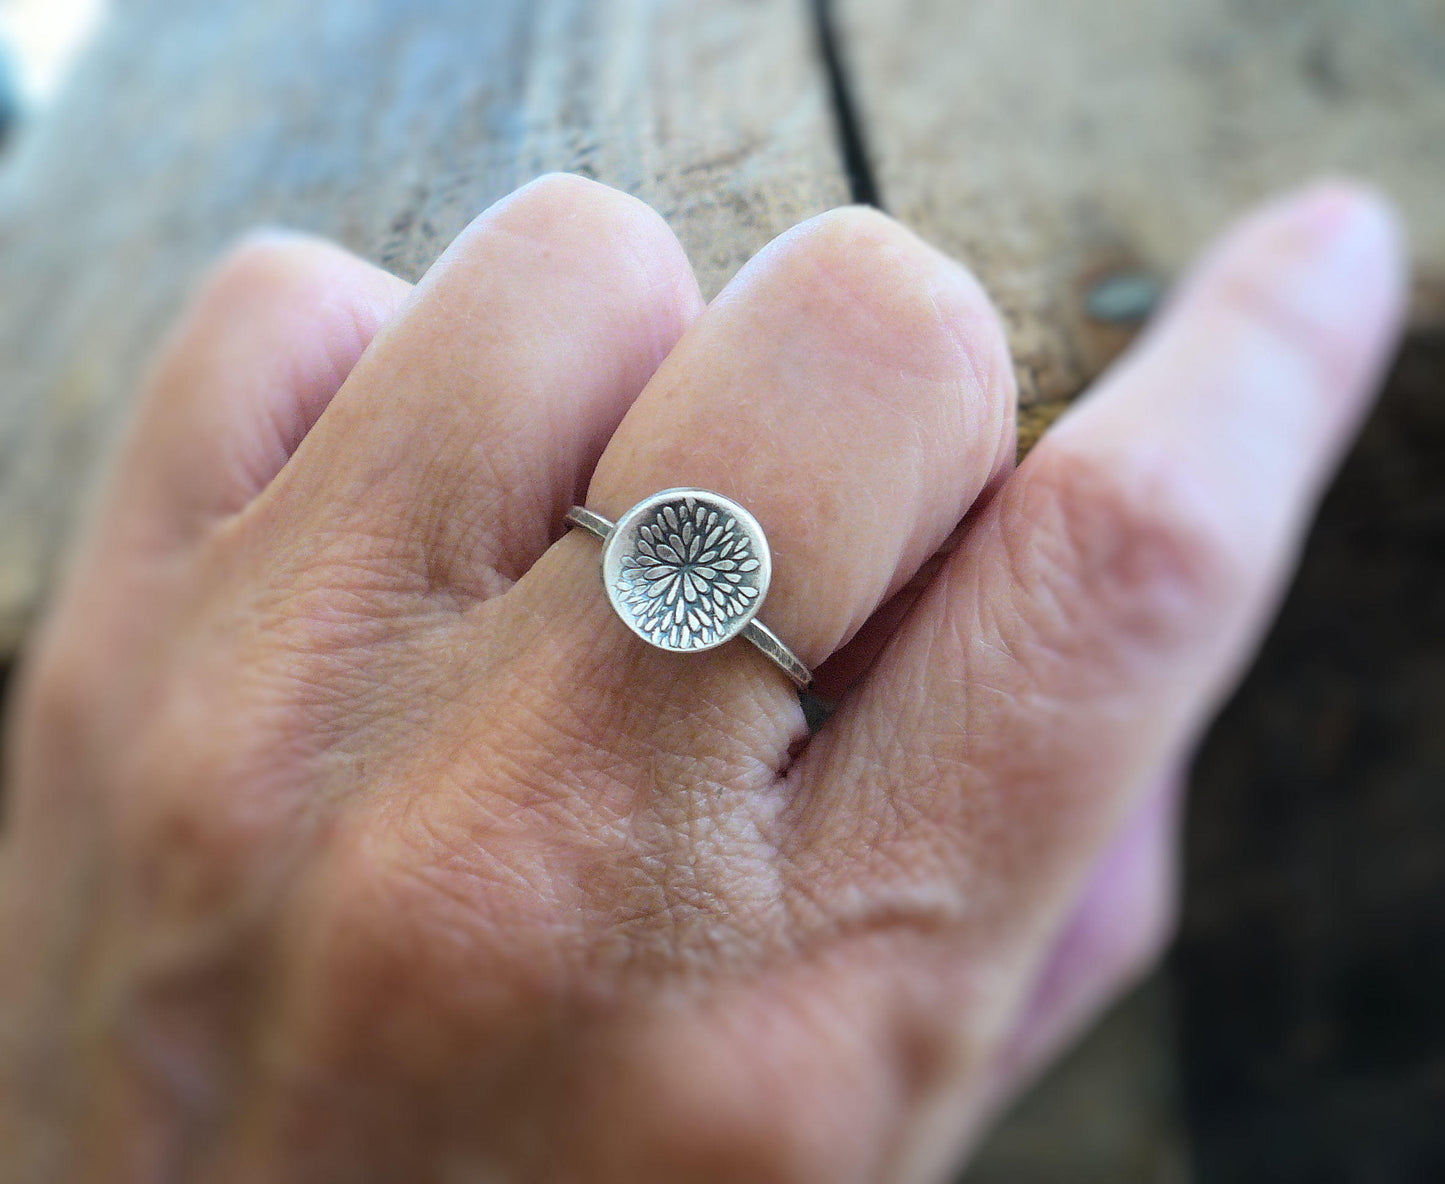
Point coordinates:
[(851, 389)]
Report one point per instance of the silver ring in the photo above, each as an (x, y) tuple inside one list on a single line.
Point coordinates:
[(687, 570)]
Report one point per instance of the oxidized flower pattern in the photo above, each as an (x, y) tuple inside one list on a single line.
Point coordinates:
[(691, 577)]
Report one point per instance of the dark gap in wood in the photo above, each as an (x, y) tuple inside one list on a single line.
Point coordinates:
[(852, 144)]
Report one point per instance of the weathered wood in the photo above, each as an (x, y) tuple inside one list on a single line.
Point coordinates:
[(1050, 144), (1053, 143), (385, 125)]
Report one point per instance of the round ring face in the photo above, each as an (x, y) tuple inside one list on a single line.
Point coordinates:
[(686, 569)]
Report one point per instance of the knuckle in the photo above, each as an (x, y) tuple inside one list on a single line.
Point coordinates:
[(203, 793), (612, 231), (556, 200), (266, 275), (1120, 553), (192, 834), (1258, 298), (259, 263), (885, 290), (418, 929), (562, 197)]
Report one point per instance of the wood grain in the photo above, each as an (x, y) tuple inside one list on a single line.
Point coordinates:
[(1051, 144), (385, 125)]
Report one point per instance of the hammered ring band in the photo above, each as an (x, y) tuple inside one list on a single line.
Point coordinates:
[(687, 570)]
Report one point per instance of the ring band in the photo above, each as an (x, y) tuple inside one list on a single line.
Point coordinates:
[(687, 570)]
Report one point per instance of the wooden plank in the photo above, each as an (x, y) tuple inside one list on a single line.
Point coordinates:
[(1054, 143), (386, 125)]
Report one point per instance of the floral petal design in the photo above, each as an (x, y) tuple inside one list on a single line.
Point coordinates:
[(690, 574)]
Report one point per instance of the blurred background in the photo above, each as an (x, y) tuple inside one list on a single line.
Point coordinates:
[(1075, 155)]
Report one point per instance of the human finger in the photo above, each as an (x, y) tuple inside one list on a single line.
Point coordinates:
[(1104, 601), (475, 420), (268, 341), (851, 389)]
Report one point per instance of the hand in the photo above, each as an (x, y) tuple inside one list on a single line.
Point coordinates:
[(352, 837)]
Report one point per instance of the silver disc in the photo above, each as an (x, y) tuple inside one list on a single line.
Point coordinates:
[(686, 569)]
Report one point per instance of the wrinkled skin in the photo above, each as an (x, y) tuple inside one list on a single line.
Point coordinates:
[(352, 838)]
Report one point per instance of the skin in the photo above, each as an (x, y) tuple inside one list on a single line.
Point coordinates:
[(351, 837)]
